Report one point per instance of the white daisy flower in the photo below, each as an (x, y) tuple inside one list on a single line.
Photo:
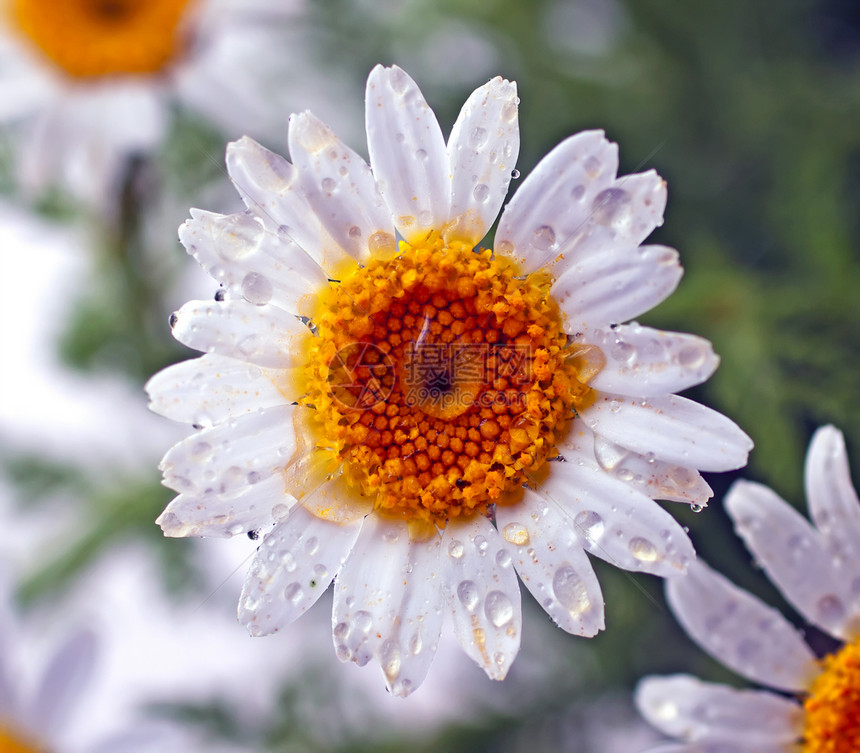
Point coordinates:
[(87, 84), (32, 718), (816, 706), (382, 402)]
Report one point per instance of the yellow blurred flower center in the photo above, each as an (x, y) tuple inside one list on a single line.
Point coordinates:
[(440, 379), (833, 706), (89, 38), (11, 742)]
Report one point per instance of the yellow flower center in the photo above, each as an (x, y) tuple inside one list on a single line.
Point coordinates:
[(440, 379), (11, 742), (88, 38), (833, 706)]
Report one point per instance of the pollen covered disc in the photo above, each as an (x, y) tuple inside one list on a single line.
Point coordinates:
[(89, 38), (833, 706), (440, 379)]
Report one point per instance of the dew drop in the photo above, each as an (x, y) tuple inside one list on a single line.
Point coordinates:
[(280, 512), (236, 529), (362, 621), (692, 356), (503, 558), (467, 593), (481, 544), (173, 320), (456, 549), (328, 185), (613, 207), (293, 593), (515, 174), (257, 288), (340, 631), (478, 137), (320, 572), (577, 193), (696, 507), (498, 608), (390, 660), (415, 644), (592, 166), (642, 549), (421, 155), (481, 192), (354, 232), (544, 237), (589, 524), (570, 590), (312, 546), (831, 609), (247, 346), (516, 533), (288, 561)]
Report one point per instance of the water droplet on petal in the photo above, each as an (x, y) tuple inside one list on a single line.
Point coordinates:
[(503, 558), (478, 137), (328, 185), (516, 533), (589, 524), (498, 608), (415, 644), (362, 621), (312, 546), (544, 237), (293, 593), (481, 192), (456, 549), (570, 590), (692, 356), (280, 512), (643, 550), (830, 608), (467, 593), (577, 193)]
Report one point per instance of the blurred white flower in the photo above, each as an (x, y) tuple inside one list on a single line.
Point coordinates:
[(85, 85), (435, 381), (816, 704)]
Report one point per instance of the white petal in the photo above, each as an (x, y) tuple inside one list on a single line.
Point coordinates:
[(689, 709), (483, 595), (407, 151), (616, 522), (482, 151), (670, 428), (611, 287), (388, 603), (264, 335), (794, 555), (227, 458), (740, 631), (210, 513), (292, 568), (554, 203), (652, 477), (644, 362), (251, 262), (548, 557), (269, 186), (340, 188), (213, 388), (60, 687), (832, 499), (723, 747)]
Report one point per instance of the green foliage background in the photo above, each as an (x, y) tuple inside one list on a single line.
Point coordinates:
[(750, 110)]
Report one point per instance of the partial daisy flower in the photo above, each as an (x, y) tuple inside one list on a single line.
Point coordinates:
[(32, 718), (386, 411), (89, 84), (816, 704)]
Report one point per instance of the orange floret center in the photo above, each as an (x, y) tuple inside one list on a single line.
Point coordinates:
[(89, 38), (833, 706), (11, 742), (440, 379)]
